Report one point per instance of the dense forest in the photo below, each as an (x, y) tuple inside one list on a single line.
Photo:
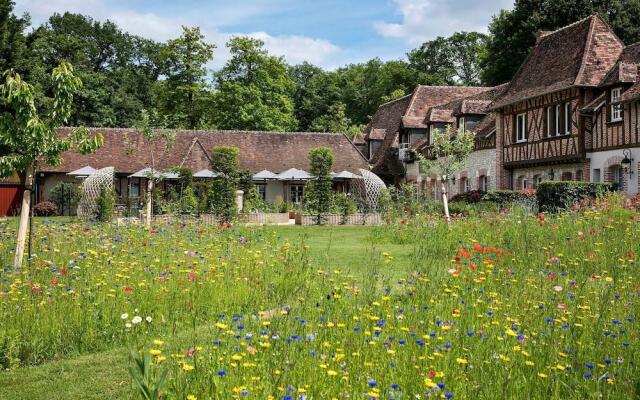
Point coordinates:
[(127, 78)]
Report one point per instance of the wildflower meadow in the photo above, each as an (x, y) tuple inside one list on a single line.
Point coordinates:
[(511, 305)]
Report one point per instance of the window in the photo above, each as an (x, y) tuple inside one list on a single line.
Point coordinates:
[(616, 109), (262, 191), (616, 175), (483, 183), (558, 120), (550, 120), (537, 180), (295, 193), (464, 185), (567, 118), (521, 128), (566, 176), (524, 184), (134, 190), (579, 176), (596, 175), (430, 135)]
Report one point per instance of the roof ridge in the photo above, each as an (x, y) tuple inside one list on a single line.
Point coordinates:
[(585, 52), (394, 100), (212, 131), (571, 25)]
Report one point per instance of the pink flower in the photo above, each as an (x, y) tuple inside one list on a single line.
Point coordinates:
[(562, 306), (555, 259), (557, 288)]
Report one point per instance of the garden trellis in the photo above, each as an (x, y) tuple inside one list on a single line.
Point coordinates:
[(91, 188), (368, 188)]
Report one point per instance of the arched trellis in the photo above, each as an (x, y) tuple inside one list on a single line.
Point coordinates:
[(368, 188), (91, 188)]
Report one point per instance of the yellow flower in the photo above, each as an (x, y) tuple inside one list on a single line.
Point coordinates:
[(191, 397), (530, 363), (155, 352), (221, 325), (187, 367), (158, 342), (332, 372), (541, 375), (461, 361)]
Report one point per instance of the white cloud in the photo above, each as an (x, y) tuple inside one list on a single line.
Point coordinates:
[(423, 20), (293, 48), (297, 49)]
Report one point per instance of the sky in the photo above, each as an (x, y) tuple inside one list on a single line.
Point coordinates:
[(328, 33)]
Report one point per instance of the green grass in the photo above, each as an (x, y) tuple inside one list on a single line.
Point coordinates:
[(103, 374), (501, 306)]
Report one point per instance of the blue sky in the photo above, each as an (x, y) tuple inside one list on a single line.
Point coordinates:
[(329, 33)]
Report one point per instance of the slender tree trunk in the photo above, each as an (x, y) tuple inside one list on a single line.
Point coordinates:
[(445, 201), (27, 182), (149, 203)]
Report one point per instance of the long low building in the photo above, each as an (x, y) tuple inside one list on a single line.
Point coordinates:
[(281, 158)]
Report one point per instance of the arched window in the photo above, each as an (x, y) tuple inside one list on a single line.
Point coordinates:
[(521, 182), (566, 176), (464, 185), (579, 175)]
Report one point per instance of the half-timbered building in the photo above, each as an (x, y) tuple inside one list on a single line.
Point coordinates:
[(541, 130)]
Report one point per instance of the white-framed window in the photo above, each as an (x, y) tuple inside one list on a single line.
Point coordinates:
[(558, 120), (521, 128), (295, 193), (595, 176), (134, 190), (523, 183), (483, 183), (616, 109), (537, 179), (567, 118), (550, 120)]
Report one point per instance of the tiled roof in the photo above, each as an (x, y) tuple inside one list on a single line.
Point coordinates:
[(376, 134), (626, 69), (486, 126), (633, 93), (127, 152), (580, 54), (358, 139), (441, 115)]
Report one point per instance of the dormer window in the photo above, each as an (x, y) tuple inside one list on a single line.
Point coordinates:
[(616, 110), (521, 128)]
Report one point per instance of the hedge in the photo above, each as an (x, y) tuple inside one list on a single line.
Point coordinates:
[(556, 196), (503, 197)]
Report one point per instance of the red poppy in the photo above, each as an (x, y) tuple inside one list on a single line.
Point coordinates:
[(54, 282), (128, 289)]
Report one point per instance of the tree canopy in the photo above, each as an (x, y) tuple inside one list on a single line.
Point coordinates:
[(174, 82)]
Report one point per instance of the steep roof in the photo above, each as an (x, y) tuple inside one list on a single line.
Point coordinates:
[(127, 152), (626, 68), (579, 54)]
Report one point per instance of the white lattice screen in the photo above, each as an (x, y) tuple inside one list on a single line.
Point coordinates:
[(91, 187)]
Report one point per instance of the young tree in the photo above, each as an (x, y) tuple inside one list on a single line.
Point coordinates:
[(30, 138), (450, 153), (255, 91), (222, 196), (147, 126), (184, 94), (319, 188)]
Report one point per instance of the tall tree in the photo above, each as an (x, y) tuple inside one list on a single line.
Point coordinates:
[(184, 94), (513, 32), (13, 45), (27, 137), (452, 60), (255, 90), (316, 91), (118, 70)]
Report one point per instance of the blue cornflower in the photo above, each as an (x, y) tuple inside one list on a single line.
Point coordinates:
[(371, 382), (587, 375), (448, 395), (221, 372)]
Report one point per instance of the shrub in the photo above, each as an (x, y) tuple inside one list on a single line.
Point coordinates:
[(319, 188), (45, 209), (105, 205), (473, 196), (345, 205), (503, 197), (188, 202), (222, 196), (557, 196)]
